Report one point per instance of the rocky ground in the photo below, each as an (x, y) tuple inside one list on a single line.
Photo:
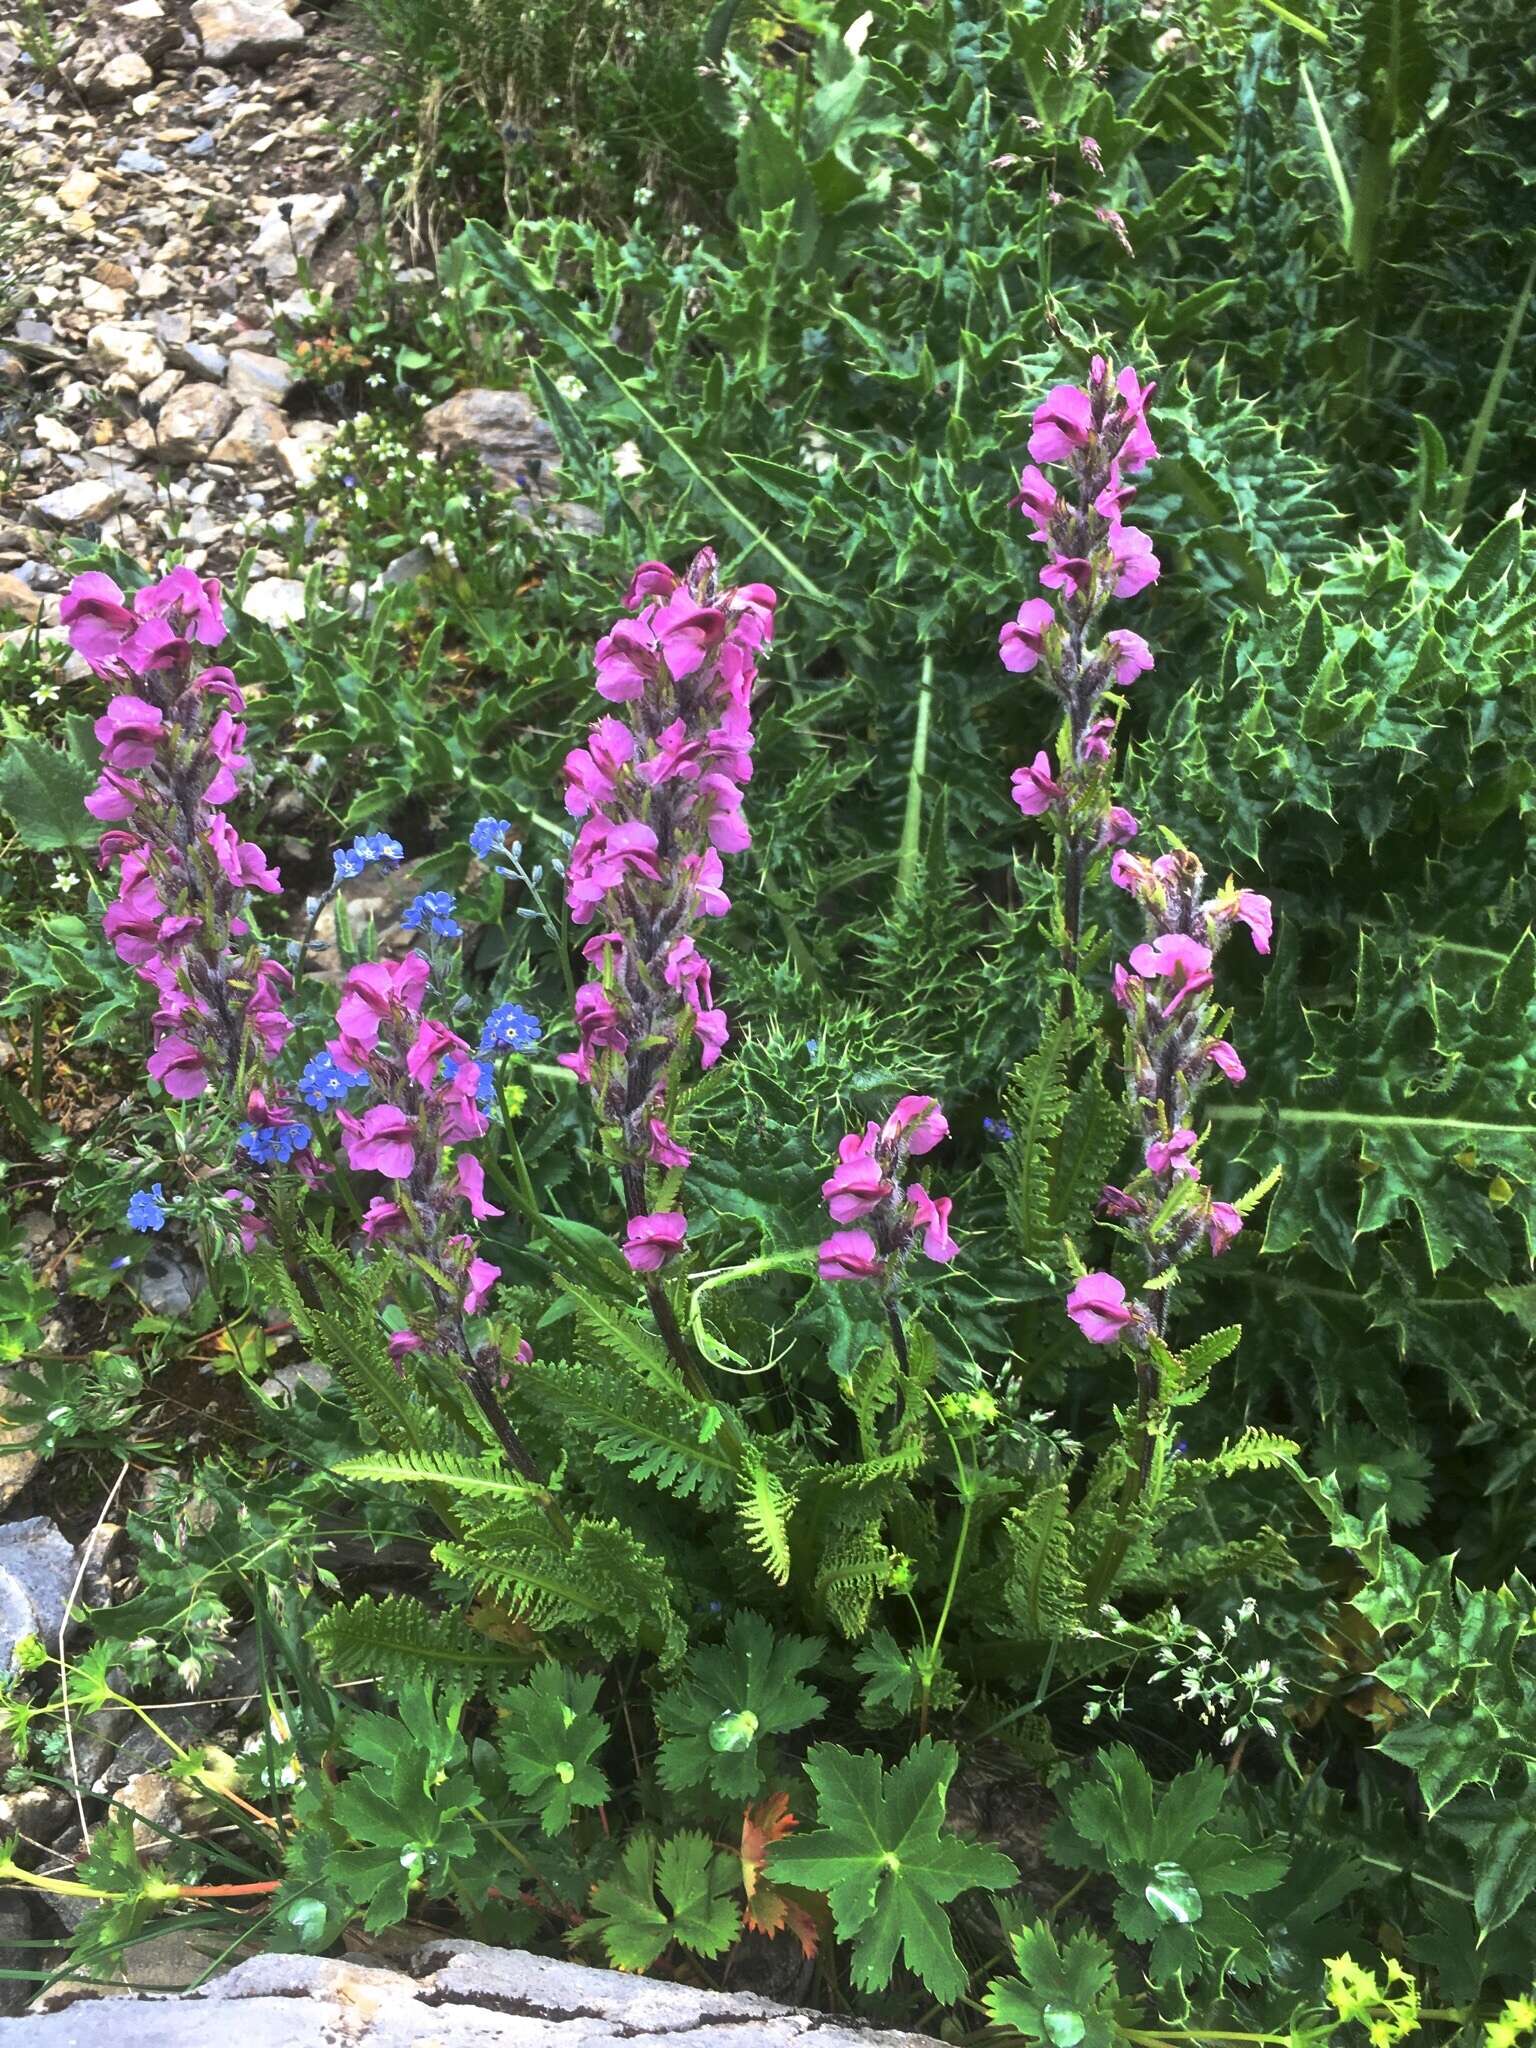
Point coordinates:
[(181, 181)]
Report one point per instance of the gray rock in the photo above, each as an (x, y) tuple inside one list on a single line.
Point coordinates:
[(251, 440), (501, 427), (37, 1571), (254, 379), (167, 1283), (16, 1931), (141, 162), (458, 1994), (407, 568), (201, 145), (81, 504), (244, 31), (202, 358), (193, 419)]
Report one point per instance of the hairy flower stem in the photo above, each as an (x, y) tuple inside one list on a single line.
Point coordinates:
[(910, 856)]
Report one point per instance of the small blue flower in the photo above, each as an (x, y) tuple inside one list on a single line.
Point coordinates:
[(146, 1208), (433, 908), (323, 1083), (488, 835), (813, 1047), (996, 1128), (350, 861), (273, 1144), (485, 1080), (510, 1028)]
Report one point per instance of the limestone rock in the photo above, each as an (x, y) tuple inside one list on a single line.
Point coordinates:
[(253, 378), (193, 420), (276, 601), (300, 453), (292, 229), (22, 602), (501, 427), (131, 350), (244, 31), (80, 504), (458, 1994), (257, 431)]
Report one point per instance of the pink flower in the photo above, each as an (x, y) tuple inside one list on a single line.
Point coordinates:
[(1129, 652), (1177, 959), (482, 1277), (919, 1121), (651, 1240), (190, 601), (1037, 499), (1063, 423), (1222, 1225), (932, 1219), (402, 1343), (707, 873), (1139, 448), (265, 1018), (432, 1044), (242, 860), (373, 989), (1135, 564), (381, 1140), (471, 1179), (114, 797), (253, 1228), (651, 579), (1170, 1155), (1021, 641), (1097, 1305), (98, 620), (597, 1020), (1257, 912), (1119, 825), (129, 732), (1118, 1205), (591, 771), (383, 1218), (713, 1033), (1130, 872), (460, 1117), (849, 1255), (855, 1186), (1035, 789), (177, 1064), (226, 737), (1072, 573), (664, 1148), (1096, 740), (1222, 1055)]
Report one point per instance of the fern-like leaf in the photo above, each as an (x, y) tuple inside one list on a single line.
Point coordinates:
[(765, 1505), (399, 1640), (440, 1469), (1043, 1590), (663, 1436), (855, 1567)]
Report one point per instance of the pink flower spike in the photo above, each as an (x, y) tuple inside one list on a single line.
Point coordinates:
[(1139, 448), (849, 1255), (1063, 423), (471, 1179), (1223, 1224), (1021, 641), (918, 1121), (1035, 789), (1098, 1306), (482, 1277), (651, 1240), (932, 1219), (1223, 1056), (1130, 654)]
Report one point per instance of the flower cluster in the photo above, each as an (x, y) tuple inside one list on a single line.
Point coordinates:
[(1100, 437), (658, 789), (1177, 1046), (865, 1187), (367, 849), (172, 746), (425, 1088)]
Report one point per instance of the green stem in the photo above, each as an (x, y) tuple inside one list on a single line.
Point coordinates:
[(1482, 426), (912, 822)]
